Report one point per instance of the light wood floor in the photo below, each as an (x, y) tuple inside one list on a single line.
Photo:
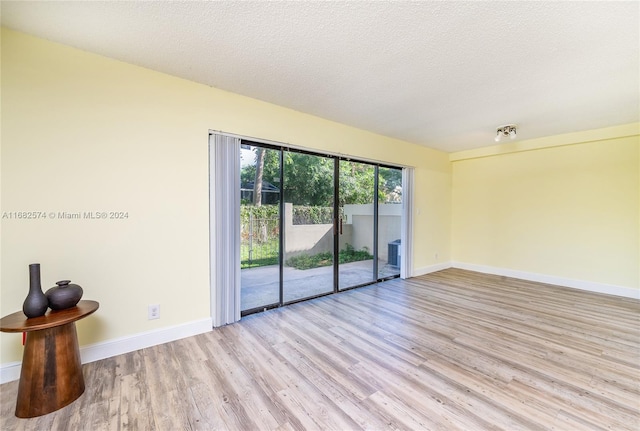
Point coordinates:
[(450, 350)]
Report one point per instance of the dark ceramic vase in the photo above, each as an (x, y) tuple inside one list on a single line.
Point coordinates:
[(64, 295), (36, 303)]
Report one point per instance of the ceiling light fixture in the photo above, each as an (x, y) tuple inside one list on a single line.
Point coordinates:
[(508, 130)]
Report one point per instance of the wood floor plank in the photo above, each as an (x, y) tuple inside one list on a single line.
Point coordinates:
[(344, 395), (452, 350)]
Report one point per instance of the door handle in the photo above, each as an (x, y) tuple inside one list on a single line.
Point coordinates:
[(340, 225)]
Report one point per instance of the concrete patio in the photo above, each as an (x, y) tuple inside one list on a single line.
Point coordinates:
[(260, 286)]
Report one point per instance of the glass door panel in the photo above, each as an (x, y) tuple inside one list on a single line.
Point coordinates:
[(314, 224), (308, 186), (260, 227), (389, 221), (356, 227)]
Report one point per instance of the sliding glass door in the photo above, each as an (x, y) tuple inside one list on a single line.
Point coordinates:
[(314, 224), (389, 222), (308, 225), (260, 221), (356, 227)]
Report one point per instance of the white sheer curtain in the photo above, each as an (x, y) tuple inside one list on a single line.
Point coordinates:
[(406, 263), (224, 200)]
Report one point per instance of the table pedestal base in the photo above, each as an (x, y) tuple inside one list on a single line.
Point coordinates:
[(51, 375)]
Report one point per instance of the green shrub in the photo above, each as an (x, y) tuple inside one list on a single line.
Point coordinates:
[(307, 261), (348, 254), (261, 212)]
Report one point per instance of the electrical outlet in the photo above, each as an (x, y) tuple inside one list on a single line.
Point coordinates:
[(436, 256), (153, 312)]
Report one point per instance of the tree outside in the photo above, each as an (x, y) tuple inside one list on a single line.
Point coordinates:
[(308, 185)]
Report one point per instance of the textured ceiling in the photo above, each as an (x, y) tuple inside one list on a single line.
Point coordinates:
[(440, 74)]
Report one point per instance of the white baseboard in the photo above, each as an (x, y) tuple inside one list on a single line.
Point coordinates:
[(431, 268), (10, 372), (118, 346), (590, 286)]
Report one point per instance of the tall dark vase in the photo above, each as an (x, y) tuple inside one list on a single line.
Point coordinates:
[(35, 304)]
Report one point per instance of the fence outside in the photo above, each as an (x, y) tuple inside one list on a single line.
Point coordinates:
[(259, 245)]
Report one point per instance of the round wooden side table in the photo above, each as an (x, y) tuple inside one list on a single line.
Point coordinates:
[(51, 375)]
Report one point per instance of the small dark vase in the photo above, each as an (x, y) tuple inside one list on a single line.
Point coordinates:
[(35, 304), (64, 295)]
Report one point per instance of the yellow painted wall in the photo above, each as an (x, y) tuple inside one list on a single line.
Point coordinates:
[(82, 132), (569, 211)]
